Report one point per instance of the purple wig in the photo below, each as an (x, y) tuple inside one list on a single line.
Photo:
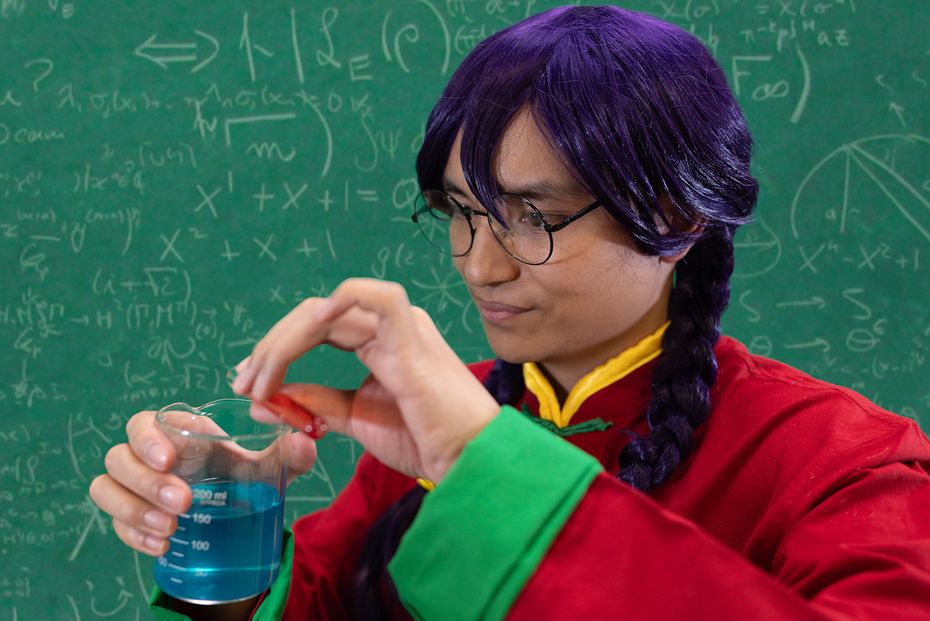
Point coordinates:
[(638, 111), (636, 108)]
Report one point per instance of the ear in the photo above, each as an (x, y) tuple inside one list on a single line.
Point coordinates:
[(674, 216)]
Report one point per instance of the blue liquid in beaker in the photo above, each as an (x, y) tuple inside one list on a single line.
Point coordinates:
[(227, 546)]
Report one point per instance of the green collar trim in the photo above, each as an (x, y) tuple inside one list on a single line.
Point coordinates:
[(595, 424)]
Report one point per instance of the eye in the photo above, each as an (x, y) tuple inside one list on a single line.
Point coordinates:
[(518, 212), (554, 218), (532, 220), (445, 204), (448, 206)]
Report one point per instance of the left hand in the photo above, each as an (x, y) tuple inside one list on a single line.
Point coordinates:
[(421, 404)]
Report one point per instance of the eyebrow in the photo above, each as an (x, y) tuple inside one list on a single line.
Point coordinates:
[(449, 186), (534, 191)]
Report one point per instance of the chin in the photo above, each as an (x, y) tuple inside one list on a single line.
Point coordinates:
[(511, 349)]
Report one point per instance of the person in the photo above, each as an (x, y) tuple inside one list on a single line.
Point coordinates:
[(586, 169)]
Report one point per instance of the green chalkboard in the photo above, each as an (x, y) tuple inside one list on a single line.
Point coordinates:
[(175, 176)]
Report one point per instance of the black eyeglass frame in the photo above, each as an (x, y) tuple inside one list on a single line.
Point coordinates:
[(468, 212)]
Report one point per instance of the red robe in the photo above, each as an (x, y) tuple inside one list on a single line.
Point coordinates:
[(801, 500)]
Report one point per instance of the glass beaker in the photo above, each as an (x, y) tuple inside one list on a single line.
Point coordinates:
[(228, 544)]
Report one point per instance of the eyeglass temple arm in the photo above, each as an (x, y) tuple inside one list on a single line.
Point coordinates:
[(561, 225)]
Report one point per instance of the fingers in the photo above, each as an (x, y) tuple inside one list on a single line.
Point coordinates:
[(349, 319), (140, 525), (387, 300), (136, 539), (262, 372), (138, 490), (382, 297), (148, 442), (165, 491)]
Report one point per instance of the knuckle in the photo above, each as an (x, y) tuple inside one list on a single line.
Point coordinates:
[(149, 484), (395, 293), (346, 285), (163, 526), (113, 457), (134, 514), (308, 304), (132, 537), (128, 535)]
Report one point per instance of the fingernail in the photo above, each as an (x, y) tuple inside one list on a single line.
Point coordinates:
[(171, 496), (153, 543), (157, 520), (237, 375), (243, 377), (156, 455)]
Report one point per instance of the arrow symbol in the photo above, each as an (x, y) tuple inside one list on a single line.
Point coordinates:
[(150, 51), (164, 53), (898, 109)]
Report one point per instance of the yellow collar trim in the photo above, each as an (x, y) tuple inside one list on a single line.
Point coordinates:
[(606, 374)]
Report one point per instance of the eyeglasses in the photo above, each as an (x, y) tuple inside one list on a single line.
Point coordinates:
[(523, 231)]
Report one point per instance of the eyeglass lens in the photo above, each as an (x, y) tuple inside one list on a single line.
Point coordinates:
[(444, 223)]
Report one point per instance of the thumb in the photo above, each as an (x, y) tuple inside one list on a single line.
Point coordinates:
[(300, 450)]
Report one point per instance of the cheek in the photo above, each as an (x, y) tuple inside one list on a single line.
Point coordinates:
[(574, 297), (622, 281)]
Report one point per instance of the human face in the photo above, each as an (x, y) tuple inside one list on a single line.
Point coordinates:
[(596, 296)]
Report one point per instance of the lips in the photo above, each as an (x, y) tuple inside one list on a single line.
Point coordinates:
[(498, 312)]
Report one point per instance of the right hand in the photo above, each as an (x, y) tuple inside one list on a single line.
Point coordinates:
[(144, 498)]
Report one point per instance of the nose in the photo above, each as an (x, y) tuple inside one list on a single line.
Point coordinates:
[(487, 263)]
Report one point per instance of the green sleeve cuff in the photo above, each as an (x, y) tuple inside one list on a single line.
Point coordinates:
[(480, 535), (271, 608)]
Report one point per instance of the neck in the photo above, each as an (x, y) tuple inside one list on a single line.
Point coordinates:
[(564, 372)]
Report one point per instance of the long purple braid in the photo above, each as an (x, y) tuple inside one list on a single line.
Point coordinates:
[(687, 368)]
